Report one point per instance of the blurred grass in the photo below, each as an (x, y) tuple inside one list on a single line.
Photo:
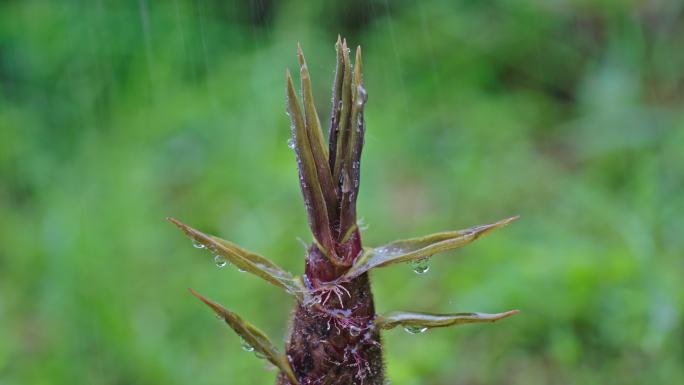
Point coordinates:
[(114, 115)]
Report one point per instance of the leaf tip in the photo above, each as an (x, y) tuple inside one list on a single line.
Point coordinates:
[(509, 313), (500, 316), (185, 228), (291, 92), (300, 54), (213, 305), (196, 294), (511, 219)]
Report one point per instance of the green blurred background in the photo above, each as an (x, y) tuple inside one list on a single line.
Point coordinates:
[(116, 114)]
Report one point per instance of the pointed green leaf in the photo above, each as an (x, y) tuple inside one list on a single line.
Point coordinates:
[(319, 150), (251, 335), (308, 175), (246, 260), (427, 320), (416, 248)]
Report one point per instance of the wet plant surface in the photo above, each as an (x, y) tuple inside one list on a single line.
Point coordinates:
[(335, 331)]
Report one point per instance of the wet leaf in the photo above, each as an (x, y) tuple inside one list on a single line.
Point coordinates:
[(351, 170), (252, 336), (416, 248), (336, 103), (246, 260), (427, 320), (345, 112), (319, 149), (314, 199)]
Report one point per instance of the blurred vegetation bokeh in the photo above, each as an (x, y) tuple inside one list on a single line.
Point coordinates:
[(114, 115)]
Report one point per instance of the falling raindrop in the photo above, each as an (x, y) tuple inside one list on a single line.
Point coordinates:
[(246, 346), (220, 261), (415, 329), (197, 245), (421, 266), (291, 143)]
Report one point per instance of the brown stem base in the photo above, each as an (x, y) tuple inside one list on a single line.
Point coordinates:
[(335, 343)]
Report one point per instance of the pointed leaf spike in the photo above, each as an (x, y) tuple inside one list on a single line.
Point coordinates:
[(358, 66), (319, 150), (345, 113), (300, 54), (308, 175), (353, 147), (336, 103), (246, 260), (428, 320), (416, 248), (252, 335)]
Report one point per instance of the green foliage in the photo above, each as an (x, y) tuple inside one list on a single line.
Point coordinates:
[(114, 115)]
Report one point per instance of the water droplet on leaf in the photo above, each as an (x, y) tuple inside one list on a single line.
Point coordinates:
[(220, 261), (197, 245), (291, 143), (415, 329), (246, 346), (421, 266)]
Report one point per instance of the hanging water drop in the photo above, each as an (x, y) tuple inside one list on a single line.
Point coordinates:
[(241, 270), (246, 346), (291, 143), (421, 266), (415, 329), (197, 245), (220, 261)]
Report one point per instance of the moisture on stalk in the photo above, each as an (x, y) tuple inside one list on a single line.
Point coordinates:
[(334, 335)]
